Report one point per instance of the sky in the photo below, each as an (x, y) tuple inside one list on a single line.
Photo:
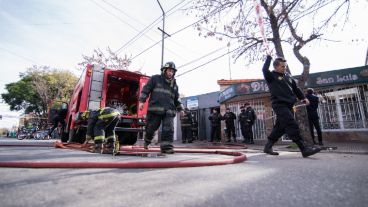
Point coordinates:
[(58, 32)]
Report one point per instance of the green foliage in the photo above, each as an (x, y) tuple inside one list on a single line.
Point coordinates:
[(38, 88), (22, 96)]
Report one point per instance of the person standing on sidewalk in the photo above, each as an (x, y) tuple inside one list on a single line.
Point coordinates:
[(284, 94), (313, 117), (248, 119), (215, 119), (163, 93), (229, 118), (186, 126)]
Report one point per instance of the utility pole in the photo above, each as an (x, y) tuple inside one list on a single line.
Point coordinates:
[(163, 33)]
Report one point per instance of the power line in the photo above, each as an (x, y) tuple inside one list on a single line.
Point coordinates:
[(195, 60), (145, 50), (180, 30), (139, 33), (149, 27), (131, 26), (20, 56), (121, 11), (208, 62)]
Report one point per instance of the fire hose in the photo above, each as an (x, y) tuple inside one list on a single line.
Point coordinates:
[(238, 157)]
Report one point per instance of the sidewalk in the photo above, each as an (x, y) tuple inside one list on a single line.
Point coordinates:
[(352, 147)]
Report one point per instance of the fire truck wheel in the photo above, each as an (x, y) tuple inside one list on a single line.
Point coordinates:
[(127, 138)]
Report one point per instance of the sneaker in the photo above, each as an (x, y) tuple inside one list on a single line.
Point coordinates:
[(167, 151)]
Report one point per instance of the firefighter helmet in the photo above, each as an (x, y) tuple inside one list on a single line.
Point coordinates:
[(82, 116), (169, 65)]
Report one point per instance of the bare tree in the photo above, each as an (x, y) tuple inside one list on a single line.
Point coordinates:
[(110, 60), (294, 22)]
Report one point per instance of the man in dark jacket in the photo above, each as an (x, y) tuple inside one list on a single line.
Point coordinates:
[(313, 117), (215, 119), (186, 126), (247, 118), (284, 94), (163, 94), (229, 118)]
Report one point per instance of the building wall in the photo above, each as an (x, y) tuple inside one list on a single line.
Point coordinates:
[(343, 112), (206, 102)]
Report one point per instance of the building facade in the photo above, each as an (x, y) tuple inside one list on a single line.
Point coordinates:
[(343, 108), (200, 107)]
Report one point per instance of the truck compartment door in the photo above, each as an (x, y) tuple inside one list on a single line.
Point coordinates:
[(95, 89)]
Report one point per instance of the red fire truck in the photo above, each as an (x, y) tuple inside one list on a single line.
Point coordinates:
[(103, 87)]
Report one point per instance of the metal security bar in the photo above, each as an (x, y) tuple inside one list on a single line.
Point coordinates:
[(340, 108), (344, 108), (259, 127)]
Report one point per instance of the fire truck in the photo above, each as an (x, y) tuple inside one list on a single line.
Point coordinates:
[(103, 87)]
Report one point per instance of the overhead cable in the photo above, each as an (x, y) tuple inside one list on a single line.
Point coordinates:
[(146, 29), (208, 62)]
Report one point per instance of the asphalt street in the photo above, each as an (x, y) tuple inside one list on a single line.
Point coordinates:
[(326, 179)]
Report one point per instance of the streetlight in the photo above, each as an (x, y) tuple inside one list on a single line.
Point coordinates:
[(163, 33)]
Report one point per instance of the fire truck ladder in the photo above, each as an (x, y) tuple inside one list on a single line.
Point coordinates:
[(95, 88)]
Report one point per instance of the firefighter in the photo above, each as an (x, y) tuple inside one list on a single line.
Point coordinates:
[(101, 125), (284, 94), (163, 94), (229, 118), (186, 126)]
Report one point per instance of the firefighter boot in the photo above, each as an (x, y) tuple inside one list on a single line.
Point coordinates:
[(98, 148), (109, 147), (116, 147), (306, 150), (145, 145), (268, 148), (167, 151)]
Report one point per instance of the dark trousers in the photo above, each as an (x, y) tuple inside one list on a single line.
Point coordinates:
[(215, 133), (105, 129), (167, 133), (230, 132), (248, 133), (186, 134), (314, 123), (285, 124)]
